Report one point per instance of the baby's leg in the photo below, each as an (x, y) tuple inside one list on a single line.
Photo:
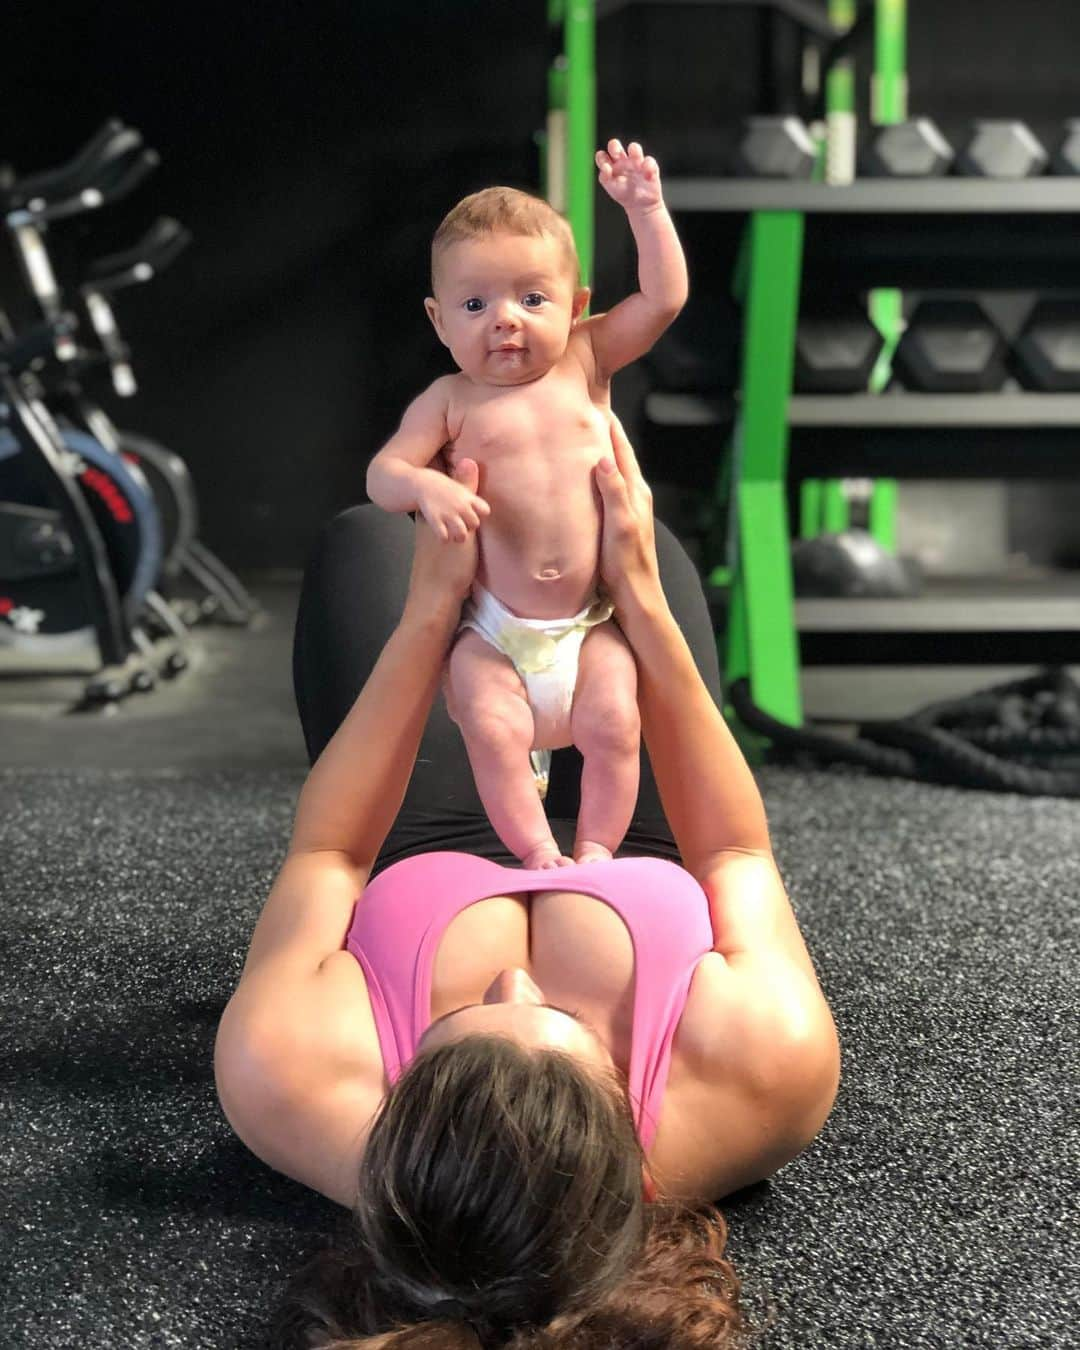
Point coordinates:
[(486, 698), (606, 726)]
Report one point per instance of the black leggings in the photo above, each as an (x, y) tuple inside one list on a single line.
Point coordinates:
[(352, 598)]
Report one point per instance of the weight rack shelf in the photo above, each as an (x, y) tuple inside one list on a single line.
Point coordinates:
[(803, 239), (956, 605), (881, 410), (907, 196)]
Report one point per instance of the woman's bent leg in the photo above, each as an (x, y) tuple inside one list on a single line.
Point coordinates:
[(352, 599)]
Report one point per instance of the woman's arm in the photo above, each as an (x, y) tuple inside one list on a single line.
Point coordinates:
[(717, 816), (350, 799), (708, 792), (357, 785), (355, 789)]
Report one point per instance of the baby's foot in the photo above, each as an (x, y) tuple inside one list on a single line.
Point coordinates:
[(546, 856), (587, 852)]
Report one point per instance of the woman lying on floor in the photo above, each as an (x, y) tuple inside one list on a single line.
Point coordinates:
[(528, 1097)]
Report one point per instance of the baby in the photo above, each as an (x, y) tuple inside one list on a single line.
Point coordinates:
[(538, 662)]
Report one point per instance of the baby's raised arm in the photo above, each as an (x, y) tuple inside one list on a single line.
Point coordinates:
[(629, 329), (400, 478)]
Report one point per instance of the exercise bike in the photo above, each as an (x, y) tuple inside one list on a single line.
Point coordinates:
[(80, 536), (220, 594), (74, 541)]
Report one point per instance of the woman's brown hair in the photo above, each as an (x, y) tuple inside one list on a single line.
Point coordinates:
[(509, 1180)]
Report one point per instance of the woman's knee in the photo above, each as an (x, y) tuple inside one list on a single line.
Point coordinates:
[(677, 570), (361, 553), (364, 527)]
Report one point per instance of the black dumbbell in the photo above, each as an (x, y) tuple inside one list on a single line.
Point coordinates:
[(1066, 156), (999, 148), (913, 149), (951, 347), (774, 147), (835, 352), (1046, 354)]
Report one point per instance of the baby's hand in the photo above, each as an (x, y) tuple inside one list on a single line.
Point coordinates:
[(450, 505), (630, 177)]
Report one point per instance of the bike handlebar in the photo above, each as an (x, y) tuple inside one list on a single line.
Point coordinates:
[(113, 142), (166, 239)]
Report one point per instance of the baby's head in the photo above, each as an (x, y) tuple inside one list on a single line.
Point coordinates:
[(505, 274)]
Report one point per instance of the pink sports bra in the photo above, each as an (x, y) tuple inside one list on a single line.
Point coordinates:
[(400, 919)]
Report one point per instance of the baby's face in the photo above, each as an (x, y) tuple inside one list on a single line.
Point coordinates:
[(505, 305)]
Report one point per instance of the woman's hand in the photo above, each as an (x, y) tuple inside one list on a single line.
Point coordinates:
[(628, 563), (443, 570)]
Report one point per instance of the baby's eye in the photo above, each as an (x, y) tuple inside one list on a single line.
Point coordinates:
[(533, 300), (474, 304)]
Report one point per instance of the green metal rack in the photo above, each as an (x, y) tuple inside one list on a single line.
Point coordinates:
[(823, 504), (568, 145), (761, 641)]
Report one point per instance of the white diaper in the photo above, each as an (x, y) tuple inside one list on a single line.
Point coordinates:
[(544, 652)]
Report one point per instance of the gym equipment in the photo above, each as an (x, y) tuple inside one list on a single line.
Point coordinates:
[(951, 346), (998, 148), (826, 504), (911, 149), (110, 164), (851, 563), (1046, 354), (73, 532), (841, 119), (774, 147), (123, 510), (568, 142), (186, 559), (1002, 739), (1066, 156), (221, 595), (82, 547), (761, 638), (835, 352)]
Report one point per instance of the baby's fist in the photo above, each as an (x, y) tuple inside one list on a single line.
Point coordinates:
[(630, 177)]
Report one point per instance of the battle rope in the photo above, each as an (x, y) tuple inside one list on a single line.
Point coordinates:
[(998, 739)]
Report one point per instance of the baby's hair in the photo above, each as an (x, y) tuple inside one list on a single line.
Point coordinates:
[(504, 210)]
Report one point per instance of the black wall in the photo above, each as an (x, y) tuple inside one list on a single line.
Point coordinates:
[(312, 149)]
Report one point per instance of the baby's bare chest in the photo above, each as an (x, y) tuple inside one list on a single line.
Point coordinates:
[(550, 423)]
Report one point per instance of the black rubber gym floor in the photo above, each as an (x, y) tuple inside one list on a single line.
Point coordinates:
[(938, 1208)]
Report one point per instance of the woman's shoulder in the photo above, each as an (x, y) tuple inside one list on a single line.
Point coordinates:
[(313, 1076), (741, 1073)]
